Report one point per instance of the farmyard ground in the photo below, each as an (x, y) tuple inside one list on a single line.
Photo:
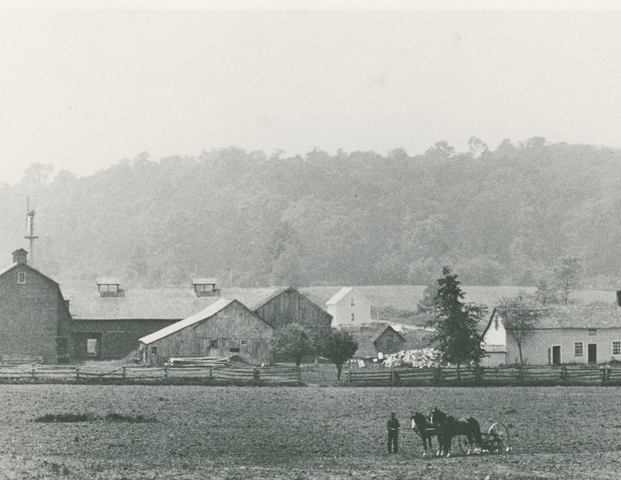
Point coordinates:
[(305, 433)]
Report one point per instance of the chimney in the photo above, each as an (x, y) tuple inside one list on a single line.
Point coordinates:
[(619, 298), (20, 256)]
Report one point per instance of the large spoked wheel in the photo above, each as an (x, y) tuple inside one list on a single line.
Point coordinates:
[(463, 444), (498, 438)]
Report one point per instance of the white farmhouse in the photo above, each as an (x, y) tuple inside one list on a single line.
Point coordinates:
[(349, 308), (494, 341)]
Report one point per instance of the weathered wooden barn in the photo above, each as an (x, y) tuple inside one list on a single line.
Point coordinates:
[(107, 321), (224, 329), (286, 306), (34, 318)]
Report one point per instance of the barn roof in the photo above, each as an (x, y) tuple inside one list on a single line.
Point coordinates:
[(340, 295), (153, 303), (208, 312)]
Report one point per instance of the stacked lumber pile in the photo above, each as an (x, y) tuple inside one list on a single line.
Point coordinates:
[(191, 362), (425, 358)]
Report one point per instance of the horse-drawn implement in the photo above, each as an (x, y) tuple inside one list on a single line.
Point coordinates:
[(467, 431)]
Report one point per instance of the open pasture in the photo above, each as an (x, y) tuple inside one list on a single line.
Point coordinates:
[(194, 432)]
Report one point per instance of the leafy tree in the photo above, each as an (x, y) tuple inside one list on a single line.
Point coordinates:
[(457, 337), (292, 341), (337, 346), (520, 315), (567, 276), (546, 292), (427, 304)]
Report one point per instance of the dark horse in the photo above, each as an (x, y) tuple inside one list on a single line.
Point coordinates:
[(425, 430), (449, 426)]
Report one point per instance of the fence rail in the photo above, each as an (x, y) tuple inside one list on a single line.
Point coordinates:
[(282, 375), (501, 375)]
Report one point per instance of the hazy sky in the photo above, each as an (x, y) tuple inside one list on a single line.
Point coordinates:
[(83, 89)]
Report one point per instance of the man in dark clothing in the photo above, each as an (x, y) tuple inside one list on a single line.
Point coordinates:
[(393, 433)]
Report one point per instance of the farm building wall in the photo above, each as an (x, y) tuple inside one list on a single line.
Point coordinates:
[(344, 314), (33, 315), (389, 342), (537, 350), (292, 307), (113, 339), (232, 331)]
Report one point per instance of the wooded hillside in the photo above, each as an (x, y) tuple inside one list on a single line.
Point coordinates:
[(498, 217)]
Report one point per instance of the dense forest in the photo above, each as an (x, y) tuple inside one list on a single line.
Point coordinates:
[(499, 217)]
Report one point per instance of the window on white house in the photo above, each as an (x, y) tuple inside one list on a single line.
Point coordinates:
[(578, 349), (353, 302), (592, 332), (353, 317), (243, 342), (21, 277), (214, 344), (616, 348), (154, 350)]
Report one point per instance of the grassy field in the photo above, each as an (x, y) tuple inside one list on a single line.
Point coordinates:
[(296, 433)]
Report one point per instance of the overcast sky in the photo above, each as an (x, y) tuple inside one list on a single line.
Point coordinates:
[(83, 89)]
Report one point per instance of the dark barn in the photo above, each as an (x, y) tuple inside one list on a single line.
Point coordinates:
[(33, 314)]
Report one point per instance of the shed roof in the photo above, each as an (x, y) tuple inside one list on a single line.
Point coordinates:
[(581, 317), (208, 312), (204, 281), (108, 281)]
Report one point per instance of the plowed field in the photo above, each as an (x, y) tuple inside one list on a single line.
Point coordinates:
[(306, 432)]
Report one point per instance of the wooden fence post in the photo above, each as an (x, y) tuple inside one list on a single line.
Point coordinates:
[(438, 374), (165, 371), (32, 371), (605, 374), (349, 376), (521, 375), (478, 373), (256, 374), (564, 373), (392, 375), (124, 371), (77, 373)]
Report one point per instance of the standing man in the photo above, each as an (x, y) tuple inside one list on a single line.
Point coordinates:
[(393, 433)]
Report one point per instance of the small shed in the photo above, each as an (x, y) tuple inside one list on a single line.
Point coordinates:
[(224, 329), (373, 339)]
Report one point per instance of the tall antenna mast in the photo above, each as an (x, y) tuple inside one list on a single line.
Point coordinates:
[(30, 227)]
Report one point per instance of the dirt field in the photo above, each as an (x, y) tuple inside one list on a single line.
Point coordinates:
[(299, 433)]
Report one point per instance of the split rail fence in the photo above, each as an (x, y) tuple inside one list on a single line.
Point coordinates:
[(502, 375), (35, 373)]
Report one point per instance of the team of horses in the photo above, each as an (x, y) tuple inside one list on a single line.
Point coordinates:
[(444, 427)]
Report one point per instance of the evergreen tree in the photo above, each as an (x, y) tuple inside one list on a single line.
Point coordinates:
[(457, 337)]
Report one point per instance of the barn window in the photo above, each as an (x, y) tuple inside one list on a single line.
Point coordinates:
[(154, 350), (353, 302), (353, 317), (592, 332), (243, 342), (214, 344), (578, 349), (616, 348), (21, 277)]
